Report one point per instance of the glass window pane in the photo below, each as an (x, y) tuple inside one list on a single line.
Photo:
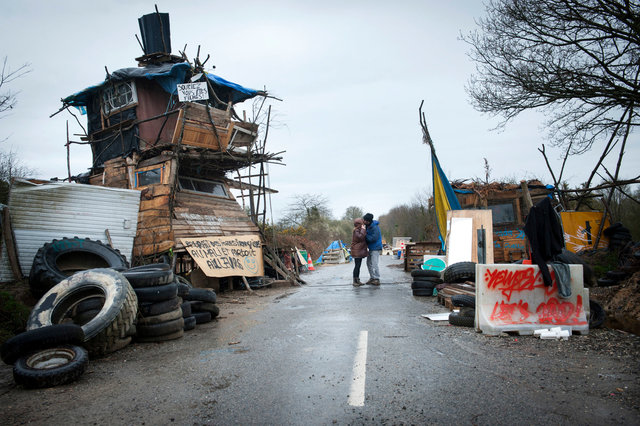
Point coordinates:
[(503, 213), (204, 186), (186, 184), (149, 177)]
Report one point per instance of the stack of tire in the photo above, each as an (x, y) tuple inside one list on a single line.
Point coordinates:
[(466, 316), (618, 235), (424, 281), (59, 259), (160, 316), (100, 301), (47, 356), (201, 302)]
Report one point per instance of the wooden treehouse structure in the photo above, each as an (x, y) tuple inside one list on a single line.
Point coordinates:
[(184, 156)]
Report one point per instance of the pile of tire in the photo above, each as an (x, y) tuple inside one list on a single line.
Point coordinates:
[(59, 259), (160, 315), (424, 282), (100, 301), (618, 235), (47, 356), (200, 302), (466, 316)]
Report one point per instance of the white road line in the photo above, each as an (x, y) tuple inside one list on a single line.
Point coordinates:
[(356, 393)]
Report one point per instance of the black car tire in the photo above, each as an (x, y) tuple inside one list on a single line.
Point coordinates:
[(202, 294), (422, 285), (157, 308), (59, 259), (40, 338), (202, 317), (189, 323), (425, 273), (149, 275), (162, 338), (460, 272), (157, 293), (597, 314), (160, 329), (111, 323), (463, 300), (461, 320), (156, 319), (51, 367), (423, 292)]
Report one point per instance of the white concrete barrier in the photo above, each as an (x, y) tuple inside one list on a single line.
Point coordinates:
[(513, 298)]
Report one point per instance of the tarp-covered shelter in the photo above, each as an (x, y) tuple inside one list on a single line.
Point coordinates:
[(336, 252), (182, 156)]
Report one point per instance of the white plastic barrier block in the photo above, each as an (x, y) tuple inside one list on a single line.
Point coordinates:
[(513, 298)]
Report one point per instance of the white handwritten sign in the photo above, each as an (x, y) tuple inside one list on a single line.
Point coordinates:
[(227, 256), (189, 92)]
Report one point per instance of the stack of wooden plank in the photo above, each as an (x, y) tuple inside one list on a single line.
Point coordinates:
[(444, 295)]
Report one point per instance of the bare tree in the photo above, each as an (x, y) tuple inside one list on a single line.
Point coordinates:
[(306, 209), (8, 98), (577, 60)]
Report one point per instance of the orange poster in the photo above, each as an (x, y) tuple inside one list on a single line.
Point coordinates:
[(581, 230)]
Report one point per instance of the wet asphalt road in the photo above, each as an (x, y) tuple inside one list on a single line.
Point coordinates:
[(293, 360), (303, 351)]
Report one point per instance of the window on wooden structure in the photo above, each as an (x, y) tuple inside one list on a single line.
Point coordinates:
[(118, 96), (503, 213), (149, 176), (204, 186)]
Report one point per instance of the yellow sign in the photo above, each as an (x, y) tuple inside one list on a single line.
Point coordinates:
[(581, 230), (227, 256)]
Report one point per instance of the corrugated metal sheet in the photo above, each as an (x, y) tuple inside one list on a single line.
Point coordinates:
[(41, 213)]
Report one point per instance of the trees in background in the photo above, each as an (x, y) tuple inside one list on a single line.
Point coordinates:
[(415, 219), (10, 164), (307, 223)]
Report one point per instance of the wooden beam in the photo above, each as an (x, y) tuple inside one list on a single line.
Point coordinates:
[(10, 244)]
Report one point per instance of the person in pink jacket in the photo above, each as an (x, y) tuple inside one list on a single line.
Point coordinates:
[(359, 249)]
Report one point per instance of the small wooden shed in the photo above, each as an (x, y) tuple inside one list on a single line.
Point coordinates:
[(507, 203)]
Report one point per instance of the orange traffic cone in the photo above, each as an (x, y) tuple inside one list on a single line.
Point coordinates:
[(310, 264)]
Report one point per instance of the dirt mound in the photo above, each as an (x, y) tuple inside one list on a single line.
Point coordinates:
[(621, 303)]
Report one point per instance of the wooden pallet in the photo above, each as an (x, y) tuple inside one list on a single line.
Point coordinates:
[(444, 295)]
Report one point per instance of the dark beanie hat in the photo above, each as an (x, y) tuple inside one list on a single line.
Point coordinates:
[(368, 217)]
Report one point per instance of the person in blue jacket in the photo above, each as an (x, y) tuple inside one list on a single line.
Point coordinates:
[(374, 243)]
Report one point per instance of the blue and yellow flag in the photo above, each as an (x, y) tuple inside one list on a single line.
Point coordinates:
[(443, 196)]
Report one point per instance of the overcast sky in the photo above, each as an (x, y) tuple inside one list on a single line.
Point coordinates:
[(351, 76)]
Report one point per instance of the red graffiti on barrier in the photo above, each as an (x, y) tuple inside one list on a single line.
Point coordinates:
[(550, 312), (510, 313), (511, 281), (555, 312)]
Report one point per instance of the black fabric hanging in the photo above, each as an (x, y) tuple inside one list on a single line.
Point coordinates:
[(545, 235)]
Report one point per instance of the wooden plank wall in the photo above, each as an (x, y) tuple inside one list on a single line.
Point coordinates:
[(196, 215), (166, 215), (155, 233)]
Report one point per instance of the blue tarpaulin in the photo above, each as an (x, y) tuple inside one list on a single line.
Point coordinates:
[(337, 244), (168, 76)]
